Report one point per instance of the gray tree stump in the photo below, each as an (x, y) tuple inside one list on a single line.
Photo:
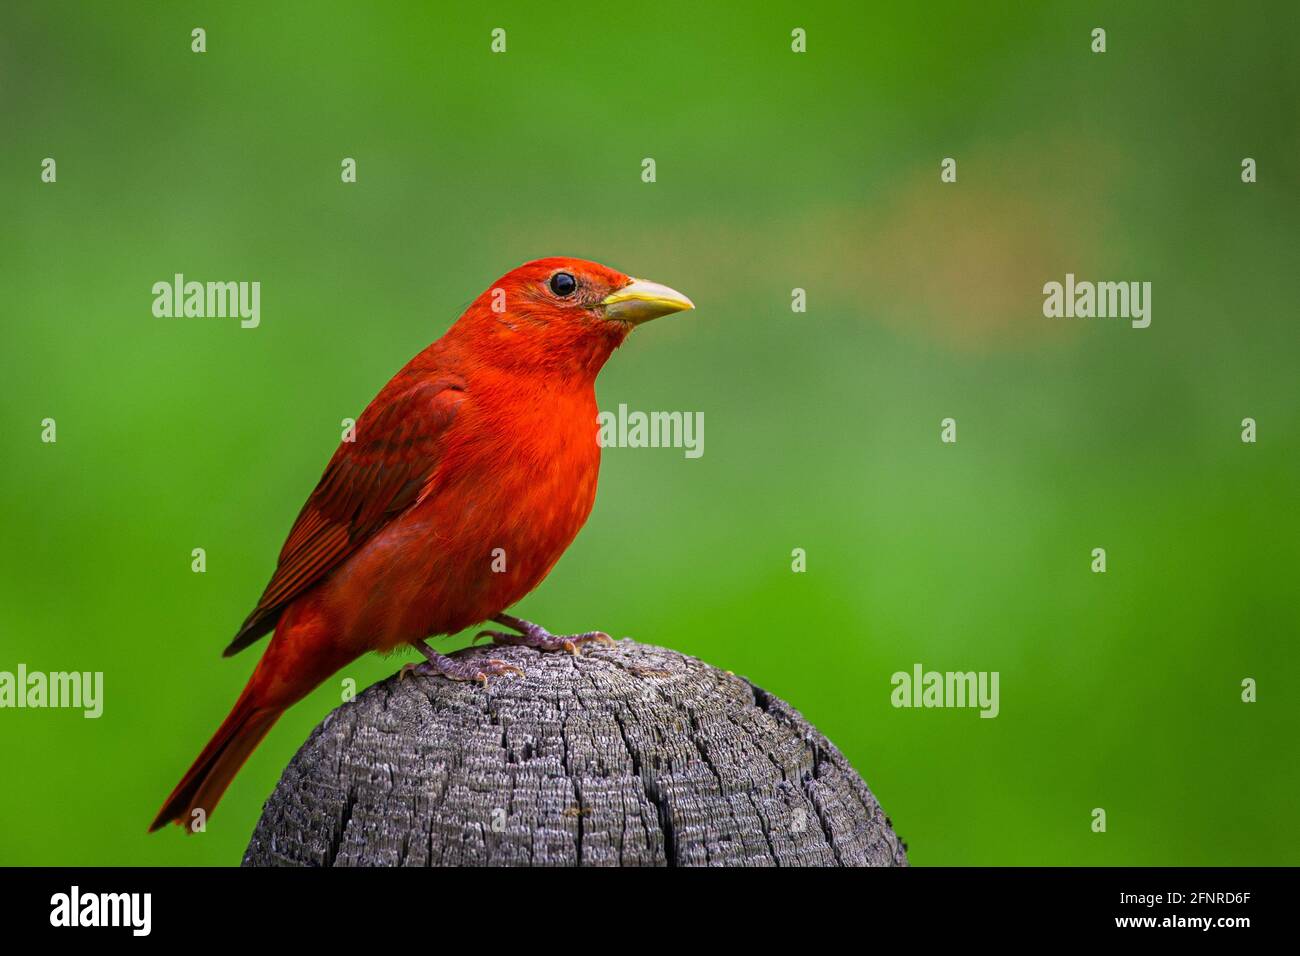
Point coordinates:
[(627, 756)]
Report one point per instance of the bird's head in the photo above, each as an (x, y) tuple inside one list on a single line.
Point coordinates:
[(562, 312)]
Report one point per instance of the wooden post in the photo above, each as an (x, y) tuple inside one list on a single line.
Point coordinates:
[(631, 755)]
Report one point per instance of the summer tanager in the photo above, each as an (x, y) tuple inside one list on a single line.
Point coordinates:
[(467, 477)]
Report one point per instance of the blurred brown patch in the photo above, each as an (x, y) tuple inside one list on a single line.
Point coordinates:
[(960, 264), (963, 264), (965, 267)]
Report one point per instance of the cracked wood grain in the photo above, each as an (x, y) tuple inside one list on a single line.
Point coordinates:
[(627, 756)]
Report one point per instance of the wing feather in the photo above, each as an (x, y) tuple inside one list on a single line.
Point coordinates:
[(400, 438)]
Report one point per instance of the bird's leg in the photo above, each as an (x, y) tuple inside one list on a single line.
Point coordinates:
[(453, 669), (534, 635)]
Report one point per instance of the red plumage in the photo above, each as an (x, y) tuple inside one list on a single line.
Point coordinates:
[(485, 440)]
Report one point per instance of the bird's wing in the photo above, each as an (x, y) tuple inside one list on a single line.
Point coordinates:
[(399, 441)]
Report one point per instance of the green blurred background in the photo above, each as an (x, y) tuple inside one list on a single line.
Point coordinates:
[(775, 171)]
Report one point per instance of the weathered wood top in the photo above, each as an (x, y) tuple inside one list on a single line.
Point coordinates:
[(632, 755)]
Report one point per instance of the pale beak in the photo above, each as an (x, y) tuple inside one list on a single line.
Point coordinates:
[(640, 301)]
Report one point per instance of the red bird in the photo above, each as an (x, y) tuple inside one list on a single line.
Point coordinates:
[(486, 440)]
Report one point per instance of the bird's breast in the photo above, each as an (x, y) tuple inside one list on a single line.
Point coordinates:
[(503, 507)]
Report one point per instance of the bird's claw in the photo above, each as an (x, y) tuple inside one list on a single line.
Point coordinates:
[(544, 640), (461, 670), (498, 667)]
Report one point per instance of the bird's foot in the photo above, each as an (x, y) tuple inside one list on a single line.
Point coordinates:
[(534, 635), (453, 669)]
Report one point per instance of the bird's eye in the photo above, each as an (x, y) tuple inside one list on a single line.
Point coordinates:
[(563, 284)]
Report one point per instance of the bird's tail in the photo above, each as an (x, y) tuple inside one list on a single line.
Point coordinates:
[(205, 781)]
